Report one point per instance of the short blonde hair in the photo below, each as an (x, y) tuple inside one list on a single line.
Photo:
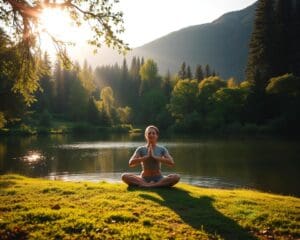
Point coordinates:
[(153, 127)]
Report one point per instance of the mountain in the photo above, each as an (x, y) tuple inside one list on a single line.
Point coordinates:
[(223, 44)]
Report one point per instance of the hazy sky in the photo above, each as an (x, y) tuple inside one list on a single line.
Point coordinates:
[(146, 20)]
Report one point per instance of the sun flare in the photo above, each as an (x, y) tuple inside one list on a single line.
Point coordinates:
[(57, 24)]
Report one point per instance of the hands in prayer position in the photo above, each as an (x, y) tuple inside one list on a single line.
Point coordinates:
[(151, 156)]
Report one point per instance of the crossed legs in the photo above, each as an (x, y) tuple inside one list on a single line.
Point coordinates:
[(134, 180)]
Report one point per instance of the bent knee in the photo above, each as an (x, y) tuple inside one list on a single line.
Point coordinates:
[(175, 177), (125, 176)]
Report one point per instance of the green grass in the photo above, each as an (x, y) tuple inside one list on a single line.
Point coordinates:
[(43, 209)]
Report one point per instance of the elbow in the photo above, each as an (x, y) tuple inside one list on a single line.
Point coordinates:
[(131, 164), (171, 164)]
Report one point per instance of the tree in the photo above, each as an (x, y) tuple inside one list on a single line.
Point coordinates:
[(261, 48), (2, 120), (167, 86), (207, 88), (93, 115), (107, 97), (286, 84), (231, 83), (87, 78), (199, 73), (124, 87), (184, 98), (189, 74), (207, 71), (210, 85), (287, 53), (76, 97), (124, 114), (45, 96), (149, 76), (11, 104), (153, 102), (182, 72), (21, 20), (229, 103)]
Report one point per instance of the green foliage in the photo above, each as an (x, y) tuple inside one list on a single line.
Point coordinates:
[(184, 98), (286, 84), (274, 48), (2, 120), (149, 76), (210, 85), (93, 114), (45, 119), (152, 104), (22, 23), (124, 114), (199, 75), (78, 98), (261, 50), (230, 103), (182, 72), (107, 97)]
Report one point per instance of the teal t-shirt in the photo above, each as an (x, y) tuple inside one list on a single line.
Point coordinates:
[(151, 164)]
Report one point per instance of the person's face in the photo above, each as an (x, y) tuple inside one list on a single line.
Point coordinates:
[(151, 136)]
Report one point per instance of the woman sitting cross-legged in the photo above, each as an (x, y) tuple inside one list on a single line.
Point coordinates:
[(150, 157)]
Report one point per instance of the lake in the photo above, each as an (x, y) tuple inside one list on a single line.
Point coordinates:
[(270, 165)]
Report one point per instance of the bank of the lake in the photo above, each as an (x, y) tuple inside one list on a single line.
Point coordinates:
[(44, 209), (66, 127)]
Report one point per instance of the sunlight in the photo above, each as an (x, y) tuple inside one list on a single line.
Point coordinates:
[(57, 23), (33, 157)]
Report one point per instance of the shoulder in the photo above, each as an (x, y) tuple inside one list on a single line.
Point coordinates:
[(162, 148), (141, 149)]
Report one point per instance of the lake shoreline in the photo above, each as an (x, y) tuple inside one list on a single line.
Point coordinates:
[(39, 208)]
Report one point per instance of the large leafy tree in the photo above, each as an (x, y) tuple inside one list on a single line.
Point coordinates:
[(149, 76), (20, 18), (184, 98)]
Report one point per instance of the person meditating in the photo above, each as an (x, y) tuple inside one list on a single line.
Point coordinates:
[(150, 158)]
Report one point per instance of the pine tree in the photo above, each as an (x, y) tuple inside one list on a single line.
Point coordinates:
[(142, 61), (261, 49), (167, 86), (93, 114), (207, 71), (295, 38), (283, 41), (199, 73), (59, 86), (189, 74), (124, 85), (45, 97), (182, 72)]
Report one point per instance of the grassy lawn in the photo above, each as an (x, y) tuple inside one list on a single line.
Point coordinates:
[(44, 209)]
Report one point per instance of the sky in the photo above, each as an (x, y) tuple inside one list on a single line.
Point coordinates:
[(147, 20), (144, 21)]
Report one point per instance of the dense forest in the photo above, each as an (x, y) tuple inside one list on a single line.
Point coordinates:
[(191, 100)]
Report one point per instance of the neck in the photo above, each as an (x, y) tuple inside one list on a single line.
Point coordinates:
[(153, 144)]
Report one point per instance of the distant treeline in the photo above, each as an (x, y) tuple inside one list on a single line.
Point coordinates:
[(198, 101)]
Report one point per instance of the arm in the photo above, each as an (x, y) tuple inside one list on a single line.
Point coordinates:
[(136, 159)]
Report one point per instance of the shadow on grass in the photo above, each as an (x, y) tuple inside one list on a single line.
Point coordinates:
[(198, 212)]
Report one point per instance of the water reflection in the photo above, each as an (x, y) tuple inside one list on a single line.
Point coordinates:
[(271, 165), (33, 158)]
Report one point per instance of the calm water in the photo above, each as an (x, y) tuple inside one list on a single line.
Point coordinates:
[(265, 164)]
